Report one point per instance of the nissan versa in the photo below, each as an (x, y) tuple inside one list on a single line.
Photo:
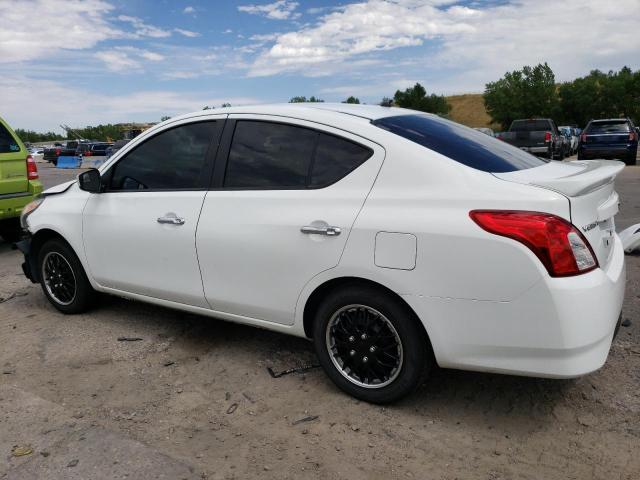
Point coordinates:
[(394, 239)]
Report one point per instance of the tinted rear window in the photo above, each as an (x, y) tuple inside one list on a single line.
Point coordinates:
[(7, 142), (530, 126), (608, 127), (276, 155), (462, 144)]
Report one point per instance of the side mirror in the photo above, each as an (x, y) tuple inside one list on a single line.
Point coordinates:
[(89, 181)]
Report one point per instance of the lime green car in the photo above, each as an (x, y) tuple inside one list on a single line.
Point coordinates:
[(19, 182)]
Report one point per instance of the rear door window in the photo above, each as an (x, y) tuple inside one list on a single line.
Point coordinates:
[(8, 144), (335, 158), (174, 159), (530, 126), (269, 155), (461, 144)]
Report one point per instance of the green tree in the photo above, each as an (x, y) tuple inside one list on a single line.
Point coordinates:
[(352, 99), (600, 95), (386, 102), (526, 93), (225, 105), (416, 98), (311, 99), (31, 136), (166, 117)]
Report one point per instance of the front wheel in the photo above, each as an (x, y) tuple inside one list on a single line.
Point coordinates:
[(63, 279), (370, 344)]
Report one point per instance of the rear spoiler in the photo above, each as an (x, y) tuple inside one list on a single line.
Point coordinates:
[(571, 179), (595, 174)]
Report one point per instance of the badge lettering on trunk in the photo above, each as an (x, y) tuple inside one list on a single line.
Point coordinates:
[(589, 227)]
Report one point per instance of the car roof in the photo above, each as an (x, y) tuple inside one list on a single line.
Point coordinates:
[(610, 120), (310, 110)]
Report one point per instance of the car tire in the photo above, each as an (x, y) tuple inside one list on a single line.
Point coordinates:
[(10, 230), (631, 158), (370, 344), (63, 279)]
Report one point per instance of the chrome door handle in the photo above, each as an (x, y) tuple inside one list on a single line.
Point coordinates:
[(171, 220), (329, 231)]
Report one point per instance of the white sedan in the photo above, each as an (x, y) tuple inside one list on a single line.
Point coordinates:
[(394, 239)]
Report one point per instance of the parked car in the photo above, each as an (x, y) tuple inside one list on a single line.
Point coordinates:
[(572, 135), (99, 149), (609, 138), (19, 182), (539, 136), (391, 238), (36, 150), (486, 131), (117, 145), (71, 148)]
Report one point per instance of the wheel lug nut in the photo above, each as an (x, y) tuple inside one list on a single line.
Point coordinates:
[(365, 359), (352, 339), (372, 348), (352, 353)]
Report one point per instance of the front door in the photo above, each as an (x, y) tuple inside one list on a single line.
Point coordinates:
[(281, 213), (139, 234)]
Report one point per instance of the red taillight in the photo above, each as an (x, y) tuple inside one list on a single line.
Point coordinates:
[(583, 138), (57, 151), (87, 153), (32, 169), (547, 137), (559, 245), (633, 136)]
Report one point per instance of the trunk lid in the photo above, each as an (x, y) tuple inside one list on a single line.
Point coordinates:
[(589, 186)]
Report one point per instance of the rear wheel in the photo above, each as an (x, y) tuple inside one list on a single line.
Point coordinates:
[(63, 279), (631, 158), (370, 344)]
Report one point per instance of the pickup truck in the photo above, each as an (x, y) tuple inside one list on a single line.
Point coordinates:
[(539, 136), (67, 150)]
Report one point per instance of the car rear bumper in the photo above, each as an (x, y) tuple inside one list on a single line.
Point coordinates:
[(11, 205), (559, 328), (544, 149), (609, 151)]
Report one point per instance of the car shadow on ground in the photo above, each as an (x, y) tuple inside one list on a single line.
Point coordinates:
[(458, 393)]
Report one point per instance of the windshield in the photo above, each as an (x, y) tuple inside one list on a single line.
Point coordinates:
[(462, 144)]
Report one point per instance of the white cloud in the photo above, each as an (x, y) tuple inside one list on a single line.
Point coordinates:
[(356, 29), (480, 41), (186, 33), (143, 29), (280, 10), (32, 29), (118, 61), (57, 103), (121, 59), (189, 10)]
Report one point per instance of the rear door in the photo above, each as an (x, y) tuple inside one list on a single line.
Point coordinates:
[(13, 163), (282, 207)]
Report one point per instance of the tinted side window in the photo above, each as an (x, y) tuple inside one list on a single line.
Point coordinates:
[(7, 142), (269, 155), (462, 144), (335, 158), (172, 160)]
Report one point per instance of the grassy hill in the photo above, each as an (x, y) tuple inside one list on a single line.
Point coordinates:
[(469, 110)]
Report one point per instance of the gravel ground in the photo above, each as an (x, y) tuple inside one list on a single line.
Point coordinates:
[(193, 399)]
